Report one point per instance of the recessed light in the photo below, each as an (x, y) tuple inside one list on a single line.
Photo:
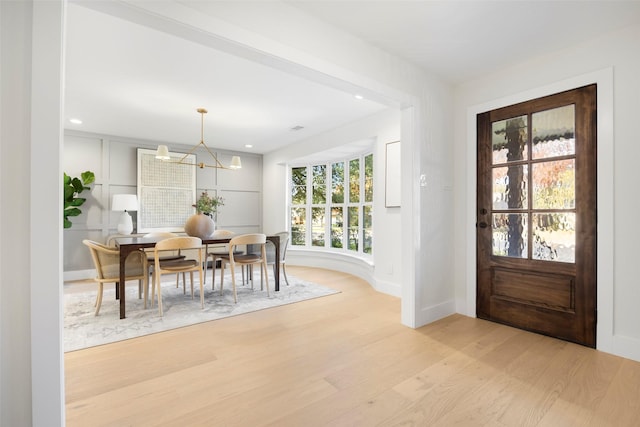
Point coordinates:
[(358, 96), (248, 146), (75, 121)]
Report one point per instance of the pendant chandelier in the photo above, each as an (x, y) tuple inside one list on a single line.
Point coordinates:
[(162, 153)]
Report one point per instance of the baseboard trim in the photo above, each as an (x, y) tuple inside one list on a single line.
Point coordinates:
[(626, 347), (436, 312), (69, 276)]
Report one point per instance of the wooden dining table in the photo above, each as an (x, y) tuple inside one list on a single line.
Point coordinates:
[(128, 245)]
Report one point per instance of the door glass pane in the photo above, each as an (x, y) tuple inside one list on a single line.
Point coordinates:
[(317, 226), (509, 140), (298, 226), (509, 235), (337, 182), (352, 227), (367, 228), (554, 184), (554, 132), (337, 227), (510, 187), (319, 184), (554, 236)]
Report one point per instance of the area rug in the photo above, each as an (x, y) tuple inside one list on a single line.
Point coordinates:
[(82, 329)]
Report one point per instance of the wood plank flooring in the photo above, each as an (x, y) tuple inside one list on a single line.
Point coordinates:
[(345, 360)]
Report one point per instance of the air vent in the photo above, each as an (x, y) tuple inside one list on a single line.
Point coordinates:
[(296, 128)]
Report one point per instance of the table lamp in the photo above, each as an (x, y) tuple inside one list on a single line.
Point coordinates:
[(124, 203)]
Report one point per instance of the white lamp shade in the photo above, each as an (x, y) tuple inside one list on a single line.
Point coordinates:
[(235, 163), (124, 202), (162, 153)]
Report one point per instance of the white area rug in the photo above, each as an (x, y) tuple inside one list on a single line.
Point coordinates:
[(82, 329)]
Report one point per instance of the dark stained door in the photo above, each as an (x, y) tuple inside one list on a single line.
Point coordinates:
[(536, 215)]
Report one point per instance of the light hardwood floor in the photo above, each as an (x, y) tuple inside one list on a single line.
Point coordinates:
[(345, 360)]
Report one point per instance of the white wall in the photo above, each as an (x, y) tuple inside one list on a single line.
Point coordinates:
[(386, 273), (31, 362), (613, 62)]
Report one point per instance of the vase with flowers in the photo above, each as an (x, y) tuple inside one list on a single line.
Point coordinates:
[(202, 224)]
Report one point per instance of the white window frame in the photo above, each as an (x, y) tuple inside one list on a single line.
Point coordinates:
[(361, 204)]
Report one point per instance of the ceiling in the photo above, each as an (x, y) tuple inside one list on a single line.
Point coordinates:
[(130, 80), (462, 40)]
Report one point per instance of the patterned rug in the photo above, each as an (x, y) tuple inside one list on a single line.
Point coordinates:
[(82, 329)]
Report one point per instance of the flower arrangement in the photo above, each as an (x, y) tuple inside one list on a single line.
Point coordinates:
[(208, 205)]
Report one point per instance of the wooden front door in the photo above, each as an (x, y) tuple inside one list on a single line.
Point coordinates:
[(536, 215)]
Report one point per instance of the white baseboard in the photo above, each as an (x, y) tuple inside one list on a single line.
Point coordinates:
[(69, 276), (436, 312), (626, 347), (388, 288)]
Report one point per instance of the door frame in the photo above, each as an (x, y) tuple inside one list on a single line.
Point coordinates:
[(605, 190)]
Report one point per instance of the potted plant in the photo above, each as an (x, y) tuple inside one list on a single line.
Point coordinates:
[(72, 188), (208, 205), (201, 224)]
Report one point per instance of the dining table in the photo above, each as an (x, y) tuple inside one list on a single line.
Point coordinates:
[(128, 245)]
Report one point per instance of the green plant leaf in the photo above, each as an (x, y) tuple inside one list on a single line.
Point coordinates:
[(69, 192), (88, 177), (72, 212), (77, 185), (78, 201)]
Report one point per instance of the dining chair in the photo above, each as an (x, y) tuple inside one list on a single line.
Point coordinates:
[(217, 251), (168, 256), (271, 254), (283, 238), (107, 263), (176, 266), (248, 259)]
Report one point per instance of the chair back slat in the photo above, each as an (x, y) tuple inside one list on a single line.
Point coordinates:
[(182, 242), (248, 239)]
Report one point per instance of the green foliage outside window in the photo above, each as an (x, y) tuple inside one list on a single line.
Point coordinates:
[(337, 182), (333, 217)]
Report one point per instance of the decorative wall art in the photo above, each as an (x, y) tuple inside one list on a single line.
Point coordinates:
[(166, 191)]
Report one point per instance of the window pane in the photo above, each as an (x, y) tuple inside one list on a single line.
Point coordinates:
[(298, 226), (318, 223), (509, 140), (337, 227), (298, 186), (337, 182), (368, 178), (319, 184), (554, 236), (367, 228), (510, 187), (554, 132), (299, 195), (554, 184), (352, 226), (299, 176), (510, 235), (354, 181)]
